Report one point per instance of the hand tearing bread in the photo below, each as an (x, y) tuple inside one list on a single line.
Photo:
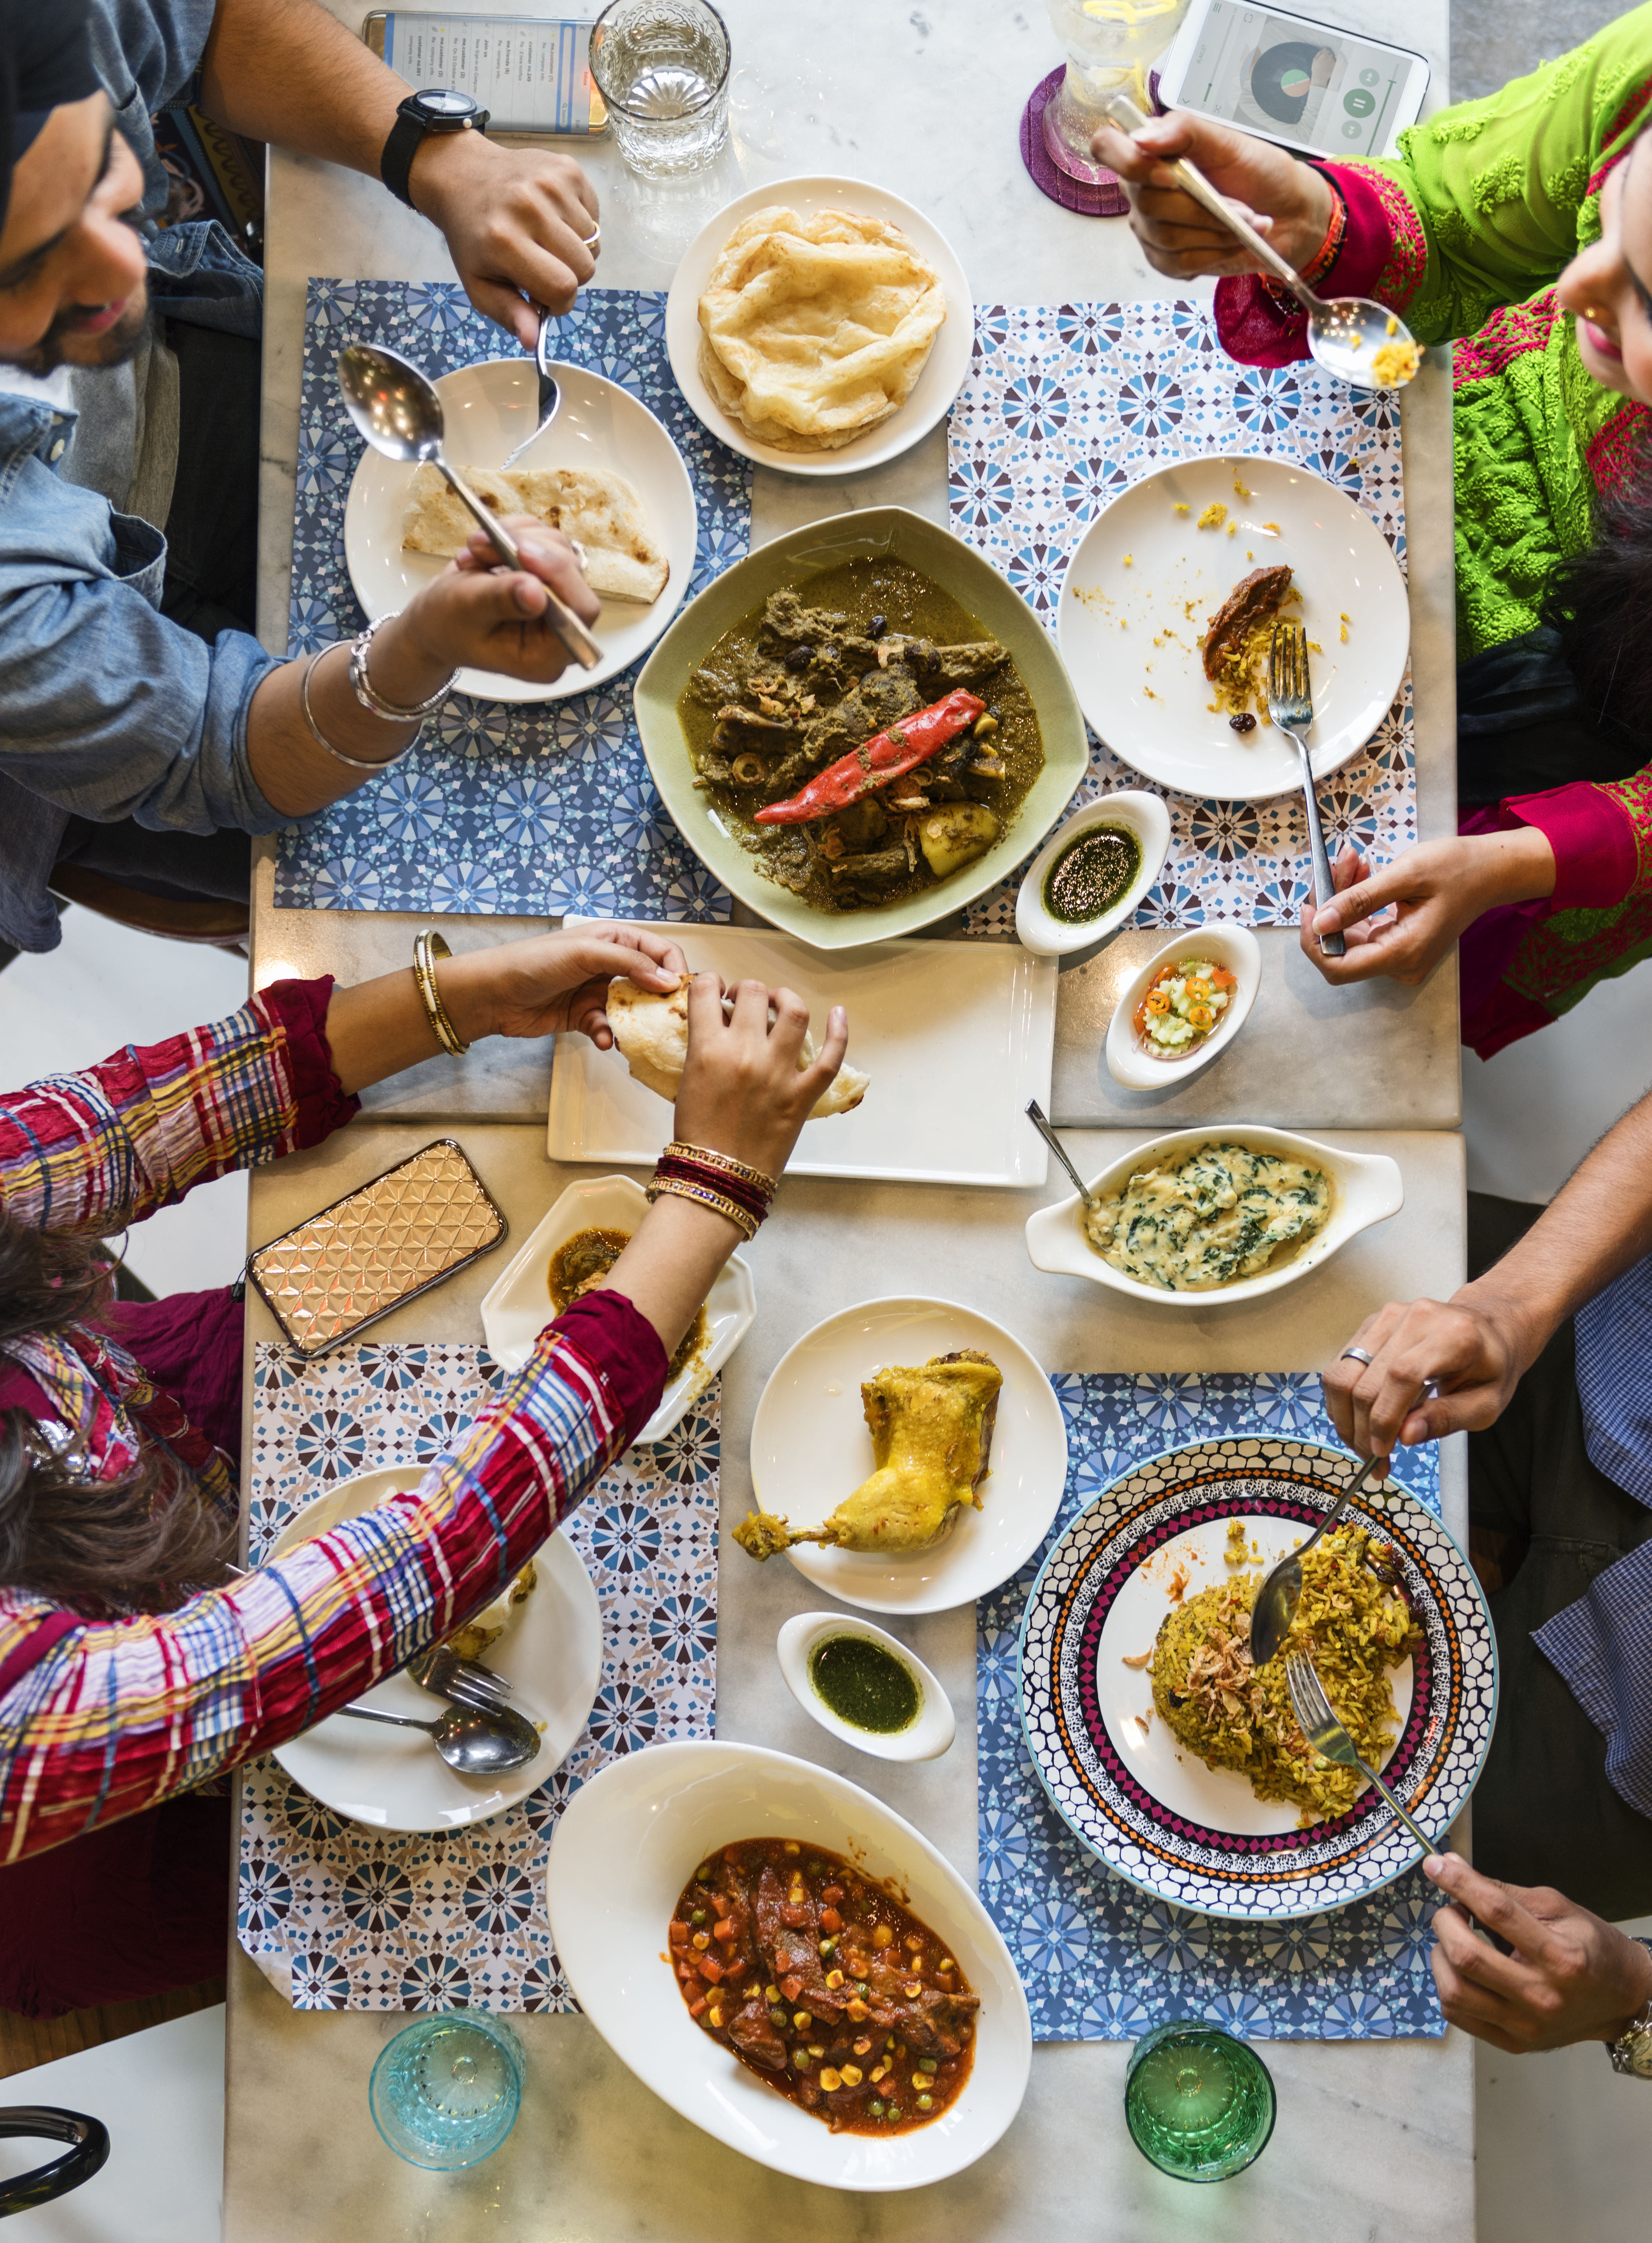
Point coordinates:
[(651, 1031), (624, 560)]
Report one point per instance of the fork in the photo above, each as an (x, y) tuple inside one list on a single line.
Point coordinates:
[(550, 393), (1331, 1740), (1290, 703), (466, 1681)]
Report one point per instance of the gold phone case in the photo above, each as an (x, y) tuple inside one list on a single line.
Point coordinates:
[(384, 1243)]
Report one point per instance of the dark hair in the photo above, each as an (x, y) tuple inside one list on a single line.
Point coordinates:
[(139, 1544), (1599, 605)]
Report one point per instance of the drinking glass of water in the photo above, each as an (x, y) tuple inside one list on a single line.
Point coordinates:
[(445, 2093), (662, 66), (1110, 44), (1198, 2104)]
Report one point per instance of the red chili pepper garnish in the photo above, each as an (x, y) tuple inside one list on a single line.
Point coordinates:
[(885, 757)]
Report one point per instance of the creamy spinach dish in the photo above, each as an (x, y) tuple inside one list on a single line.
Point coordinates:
[(1209, 1217)]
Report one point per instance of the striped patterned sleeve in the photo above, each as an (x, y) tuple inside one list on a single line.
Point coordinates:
[(106, 1147), (1602, 1645), (116, 1716)]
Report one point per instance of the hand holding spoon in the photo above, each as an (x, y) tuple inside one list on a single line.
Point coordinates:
[(1345, 333), (398, 410)]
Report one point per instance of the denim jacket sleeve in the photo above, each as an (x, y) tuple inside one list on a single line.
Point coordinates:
[(110, 710)]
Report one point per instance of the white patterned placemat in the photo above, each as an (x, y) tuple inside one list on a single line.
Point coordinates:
[(355, 1919), (1066, 406)]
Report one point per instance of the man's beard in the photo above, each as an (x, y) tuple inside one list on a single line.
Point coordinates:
[(113, 348)]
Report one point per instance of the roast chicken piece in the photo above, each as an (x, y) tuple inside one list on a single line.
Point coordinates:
[(932, 1433)]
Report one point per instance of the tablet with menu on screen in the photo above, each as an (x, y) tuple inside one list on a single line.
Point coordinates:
[(1313, 87)]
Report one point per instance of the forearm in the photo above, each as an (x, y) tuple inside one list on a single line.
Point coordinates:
[(671, 1263), (291, 768), (286, 72)]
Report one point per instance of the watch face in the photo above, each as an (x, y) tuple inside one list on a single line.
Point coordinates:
[(443, 102), (1641, 2055)]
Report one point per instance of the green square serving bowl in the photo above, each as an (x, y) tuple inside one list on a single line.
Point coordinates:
[(876, 532)]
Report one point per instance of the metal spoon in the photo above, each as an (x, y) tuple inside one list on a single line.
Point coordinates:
[(550, 391), (474, 1743), (1040, 1122), (397, 409), (1344, 332)]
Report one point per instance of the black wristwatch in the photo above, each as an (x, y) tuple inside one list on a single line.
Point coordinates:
[(438, 109)]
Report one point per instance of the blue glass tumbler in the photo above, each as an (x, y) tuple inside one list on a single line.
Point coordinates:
[(445, 2093)]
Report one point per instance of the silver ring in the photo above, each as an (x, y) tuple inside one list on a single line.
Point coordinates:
[(590, 241), (578, 555), (1354, 1355)]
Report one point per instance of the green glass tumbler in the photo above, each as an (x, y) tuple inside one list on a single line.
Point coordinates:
[(445, 2093), (1199, 2104)]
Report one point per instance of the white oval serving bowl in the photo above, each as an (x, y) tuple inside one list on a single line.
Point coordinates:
[(518, 1305), (628, 1842), (1365, 1188), (925, 1738), (1234, 947), (1143, 814)]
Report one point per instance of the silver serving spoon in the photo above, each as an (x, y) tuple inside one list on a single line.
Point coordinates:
[(397, 409), (550, 391), (474, 1743), (1344, 332), (1040, 1122)]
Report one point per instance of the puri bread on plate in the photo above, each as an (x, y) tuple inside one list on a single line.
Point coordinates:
[(815, 329), (624, 559), (651, 1032)]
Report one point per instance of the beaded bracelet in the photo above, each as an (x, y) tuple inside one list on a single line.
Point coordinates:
[(744, 1195), (427, 948), (703, 1195)]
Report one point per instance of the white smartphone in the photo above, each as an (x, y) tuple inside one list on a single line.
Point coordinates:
[(1311, 87)]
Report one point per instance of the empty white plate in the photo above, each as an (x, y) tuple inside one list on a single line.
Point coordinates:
[(488, 409)]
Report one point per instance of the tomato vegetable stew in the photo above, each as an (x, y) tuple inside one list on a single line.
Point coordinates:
[(816, 1979)]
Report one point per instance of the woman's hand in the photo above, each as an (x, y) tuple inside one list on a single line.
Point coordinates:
[(478, 615), (742, 1092), (1286, 200), (1571, 1977), (1436, 891), (554, 981), (1476, 1346)]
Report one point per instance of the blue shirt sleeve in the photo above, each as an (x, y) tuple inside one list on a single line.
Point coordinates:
[(1602, 1645)]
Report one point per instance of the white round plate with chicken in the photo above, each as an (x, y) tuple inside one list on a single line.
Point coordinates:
[(811, 1451), (1147, 578)]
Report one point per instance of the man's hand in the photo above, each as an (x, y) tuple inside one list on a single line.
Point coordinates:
[(1435, 891), (1286, 200), (517, 221), (1570, 1977), (1476, 1345)]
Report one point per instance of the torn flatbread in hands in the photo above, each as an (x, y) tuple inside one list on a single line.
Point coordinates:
[(651, 1031)]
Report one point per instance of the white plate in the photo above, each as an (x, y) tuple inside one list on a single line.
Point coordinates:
[(518, 1307), (488, 409), (551, 1655), (811, 1448), (1367, 1188), (1138, 812), (628, 1842), (957, 1037), (1160, 719), (1234, 947), (945, 369), (931, 1733)]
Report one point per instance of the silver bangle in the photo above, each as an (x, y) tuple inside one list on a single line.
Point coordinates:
[(350, 763), (375, 702)]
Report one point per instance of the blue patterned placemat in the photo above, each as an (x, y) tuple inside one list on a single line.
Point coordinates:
[(1067, 405), (1099, 1959), (540, 807), (348, 1918)]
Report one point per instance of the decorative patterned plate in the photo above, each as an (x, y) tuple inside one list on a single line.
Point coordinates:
[(1196, 1836)]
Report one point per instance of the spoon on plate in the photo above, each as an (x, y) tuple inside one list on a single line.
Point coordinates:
[(474, 1743), (550, 392), (1345, 333), (396, 407), (1040, 1122)]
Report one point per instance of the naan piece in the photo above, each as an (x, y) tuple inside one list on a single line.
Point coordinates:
[(815, 329), (651, 1034), (624, 559)]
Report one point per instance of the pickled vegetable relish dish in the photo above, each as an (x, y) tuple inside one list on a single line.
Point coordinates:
[(822, 1984), (1184, 1004)]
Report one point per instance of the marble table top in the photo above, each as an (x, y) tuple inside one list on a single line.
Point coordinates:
[(1374, 2141)]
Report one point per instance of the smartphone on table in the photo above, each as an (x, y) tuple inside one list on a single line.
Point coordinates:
[(1313, 87), (531, 73)]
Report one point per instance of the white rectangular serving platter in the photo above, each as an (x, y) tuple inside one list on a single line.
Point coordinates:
[(955, 1036)]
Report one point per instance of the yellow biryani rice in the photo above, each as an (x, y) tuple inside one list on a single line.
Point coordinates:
[(1353, 1624)]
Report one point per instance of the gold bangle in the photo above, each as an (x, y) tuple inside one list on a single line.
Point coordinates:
[(726, 1161), (427, 947), (703, 1195)]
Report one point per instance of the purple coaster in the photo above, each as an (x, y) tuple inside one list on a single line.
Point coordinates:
[(1105, 200)]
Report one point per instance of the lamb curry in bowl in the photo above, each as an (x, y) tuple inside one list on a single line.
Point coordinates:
[(863, 738)]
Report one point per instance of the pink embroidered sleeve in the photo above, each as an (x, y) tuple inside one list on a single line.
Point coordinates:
[(1260, 322), (1593, 835)]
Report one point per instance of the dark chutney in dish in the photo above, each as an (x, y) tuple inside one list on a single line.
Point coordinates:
[(1090, 874), (818, 1980), (813, 674), (580, 1262), (865, 1685)]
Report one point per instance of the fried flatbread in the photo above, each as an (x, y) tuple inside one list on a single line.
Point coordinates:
[(651, 1034), (624, 559), (815, 329)]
